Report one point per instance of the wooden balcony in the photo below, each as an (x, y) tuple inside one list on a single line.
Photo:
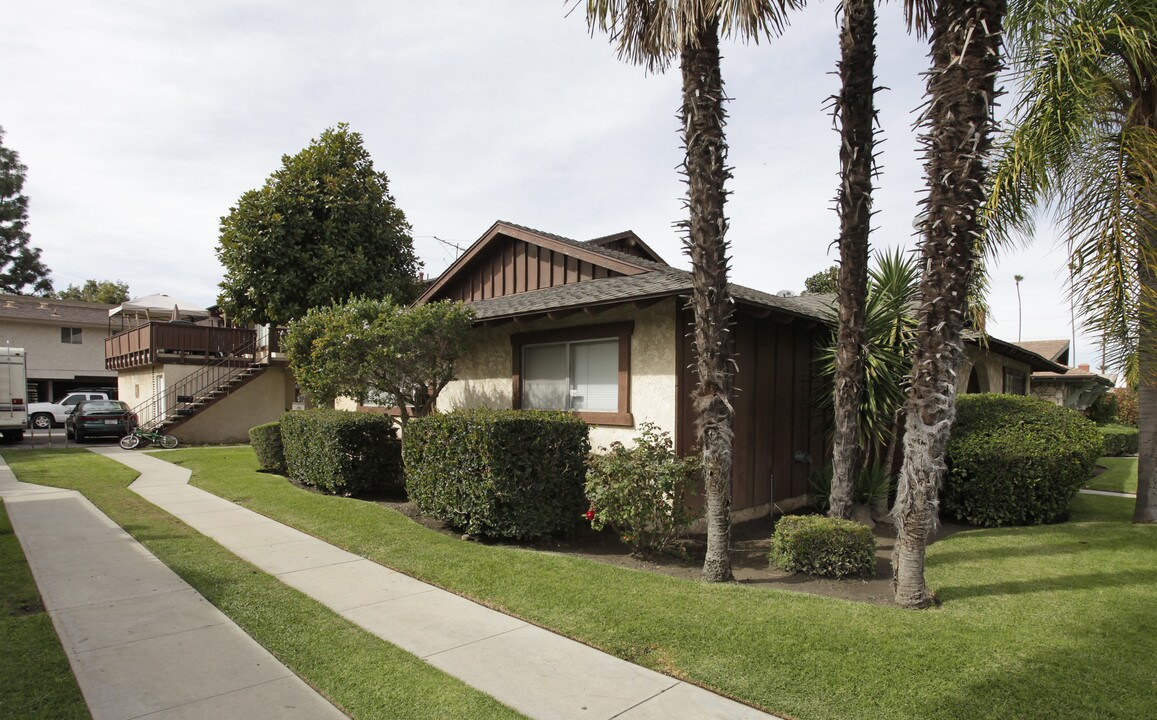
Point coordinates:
[(162, 342)]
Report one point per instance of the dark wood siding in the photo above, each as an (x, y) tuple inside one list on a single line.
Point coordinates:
[(514, 266), (779, 437)]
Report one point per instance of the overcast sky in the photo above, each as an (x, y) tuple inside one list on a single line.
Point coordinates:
[(142, 122)]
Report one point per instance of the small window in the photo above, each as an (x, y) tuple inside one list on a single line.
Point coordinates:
[(70, 336), (1015, 382)]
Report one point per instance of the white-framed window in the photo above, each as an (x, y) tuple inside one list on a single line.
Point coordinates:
[(585, 370), (70, 336), (580, 375)]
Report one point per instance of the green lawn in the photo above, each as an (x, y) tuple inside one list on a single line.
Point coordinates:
[(360, 673), (35, 681), (1042, 622), (1120, 475)]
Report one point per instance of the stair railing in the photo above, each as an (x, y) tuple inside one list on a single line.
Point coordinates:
[(182, 398)]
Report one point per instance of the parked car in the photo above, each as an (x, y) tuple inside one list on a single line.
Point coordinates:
[(42, 415), (99, 418)]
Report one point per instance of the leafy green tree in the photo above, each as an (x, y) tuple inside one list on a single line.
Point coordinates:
[(322, 228), (98, 291), (1084, 143), (21, 271), (957, 137), (653, 33), (823, 283), (379, 350)]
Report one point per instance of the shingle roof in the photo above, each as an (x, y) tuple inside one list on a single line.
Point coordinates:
[(27, 308), (1051, 349), (662, 282)]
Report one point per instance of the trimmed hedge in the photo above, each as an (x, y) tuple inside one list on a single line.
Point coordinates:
[(342, 453), (1016, 460), (266, 442), (498, 473), (1119, 440), (820, 545)]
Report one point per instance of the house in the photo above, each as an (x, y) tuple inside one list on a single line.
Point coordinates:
[(1072, 387), (992, 365), (601, 328), (64, 342), (181, 369)]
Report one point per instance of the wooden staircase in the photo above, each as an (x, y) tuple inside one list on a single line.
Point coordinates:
[(190, 406), (192, 395)]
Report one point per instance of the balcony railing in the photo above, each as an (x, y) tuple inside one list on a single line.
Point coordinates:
[(178, 342)]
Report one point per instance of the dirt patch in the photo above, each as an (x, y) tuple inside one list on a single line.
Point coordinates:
[(750, 544)]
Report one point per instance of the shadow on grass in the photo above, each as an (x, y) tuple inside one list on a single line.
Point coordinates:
[(1104, 679), (1123, 578)]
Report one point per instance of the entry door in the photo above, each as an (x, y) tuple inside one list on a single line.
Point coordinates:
[(159, 394)]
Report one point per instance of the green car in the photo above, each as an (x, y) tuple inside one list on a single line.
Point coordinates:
[(99, 418)]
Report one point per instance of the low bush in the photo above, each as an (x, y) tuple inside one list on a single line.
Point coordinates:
[(512, 474), (641, 491), (1127, 410), (1016, 460), (1103, 410), (342, 453), (820, 545), (1119, 440), (266, 442)]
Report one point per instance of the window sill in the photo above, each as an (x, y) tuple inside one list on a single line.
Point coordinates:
[(616, 419)]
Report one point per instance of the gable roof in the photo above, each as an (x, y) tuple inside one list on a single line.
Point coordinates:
[(1055, 350), (610, 262), (627, 278), (632, 278)]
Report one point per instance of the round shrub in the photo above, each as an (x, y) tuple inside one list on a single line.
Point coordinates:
[(1016, 460), (266, 442), (820, 545)]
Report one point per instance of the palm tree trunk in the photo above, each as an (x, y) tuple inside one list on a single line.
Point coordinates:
[(1145, 510), (958, 121), (855, 110), (706, 172)]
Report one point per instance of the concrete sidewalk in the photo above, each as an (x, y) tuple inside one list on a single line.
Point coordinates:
[(539, 673), (141, 641)]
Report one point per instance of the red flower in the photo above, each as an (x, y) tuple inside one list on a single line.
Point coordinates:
[(589, 514)]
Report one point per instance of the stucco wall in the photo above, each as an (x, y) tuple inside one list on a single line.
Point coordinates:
[(49, 358), (261, 400), (990, 368), (484, 372)]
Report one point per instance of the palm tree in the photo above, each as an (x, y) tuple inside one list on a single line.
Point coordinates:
[(653, 33), (1085, 142), (957, 120), (856, 114), (889, 325)]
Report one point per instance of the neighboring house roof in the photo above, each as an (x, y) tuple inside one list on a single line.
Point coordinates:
[(1037, 363), (28, 308), (1055, 350), (1073, 375)]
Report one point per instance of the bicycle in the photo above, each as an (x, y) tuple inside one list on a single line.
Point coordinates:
[(133, 439)]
